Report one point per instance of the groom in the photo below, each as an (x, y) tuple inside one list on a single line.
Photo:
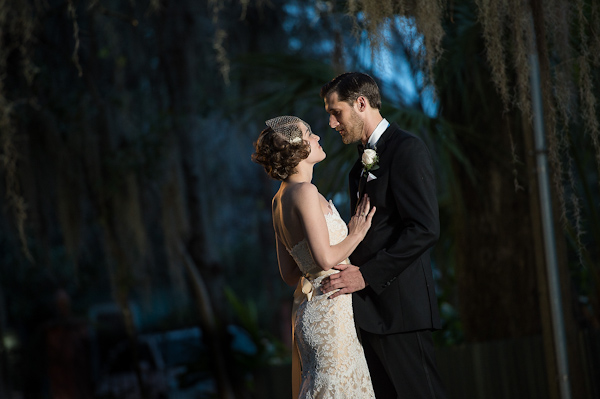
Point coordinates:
[(395, 305)]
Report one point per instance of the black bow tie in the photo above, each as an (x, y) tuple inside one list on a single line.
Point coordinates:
[(361, 148)]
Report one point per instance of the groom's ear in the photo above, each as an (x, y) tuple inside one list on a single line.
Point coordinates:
[(361, 103)]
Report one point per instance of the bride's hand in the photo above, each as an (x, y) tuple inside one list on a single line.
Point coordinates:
[(361, 221)]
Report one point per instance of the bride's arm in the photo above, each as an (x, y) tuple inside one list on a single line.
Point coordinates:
[(308, 205), (290, 273)]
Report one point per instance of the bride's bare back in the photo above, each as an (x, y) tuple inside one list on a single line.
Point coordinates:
[(286, 218)]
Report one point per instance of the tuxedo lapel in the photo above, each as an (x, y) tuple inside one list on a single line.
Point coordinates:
[(356, 171), (362, 185), (354, 180), (381, 143)]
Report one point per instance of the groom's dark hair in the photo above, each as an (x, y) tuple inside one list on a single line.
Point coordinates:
[(351, 85)]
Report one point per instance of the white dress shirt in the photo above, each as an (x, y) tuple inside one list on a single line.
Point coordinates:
[(378, 132)]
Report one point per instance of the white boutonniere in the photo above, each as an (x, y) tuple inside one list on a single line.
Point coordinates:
[(369, 160)]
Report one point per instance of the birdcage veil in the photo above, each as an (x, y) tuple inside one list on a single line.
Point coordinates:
[(287, 126)]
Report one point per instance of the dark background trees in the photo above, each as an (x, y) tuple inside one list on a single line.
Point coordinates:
[(127, 128)]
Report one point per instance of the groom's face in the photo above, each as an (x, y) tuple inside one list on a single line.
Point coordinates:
[(344, 118)]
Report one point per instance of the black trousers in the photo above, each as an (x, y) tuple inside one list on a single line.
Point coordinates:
[(403, 365)]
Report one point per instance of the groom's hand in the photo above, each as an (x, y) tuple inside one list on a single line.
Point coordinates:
[(348, 280)]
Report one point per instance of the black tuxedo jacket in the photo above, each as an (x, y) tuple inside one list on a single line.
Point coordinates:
[(394, 256)]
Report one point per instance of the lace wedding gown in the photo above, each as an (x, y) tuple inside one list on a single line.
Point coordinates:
[(332, 360)]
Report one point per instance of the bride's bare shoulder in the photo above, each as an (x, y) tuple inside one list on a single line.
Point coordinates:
[(303, 192), (298, 196), (295, 190), (305, 188)]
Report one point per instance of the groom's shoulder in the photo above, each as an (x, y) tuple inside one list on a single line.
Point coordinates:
[(400, 136)]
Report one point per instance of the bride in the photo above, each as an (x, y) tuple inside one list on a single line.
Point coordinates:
[(311, 238)]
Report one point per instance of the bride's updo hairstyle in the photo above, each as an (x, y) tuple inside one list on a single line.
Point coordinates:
[(280, 147)]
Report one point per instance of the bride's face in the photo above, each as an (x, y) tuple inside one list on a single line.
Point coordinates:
[(316, 151)]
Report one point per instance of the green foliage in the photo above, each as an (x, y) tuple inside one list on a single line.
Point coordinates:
[(262, 351), (269, 349)]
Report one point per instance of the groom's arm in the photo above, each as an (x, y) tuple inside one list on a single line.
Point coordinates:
[(348, 280), (412, 181)]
